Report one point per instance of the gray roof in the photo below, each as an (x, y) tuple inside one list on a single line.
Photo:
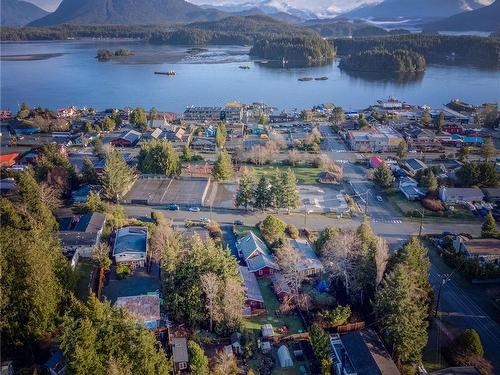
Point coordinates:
[(252, 288), (91, 222), (261, 261), (367, 353), (179, 349), (131, 240), (309, 259), (416, 164), (72, 238), (249, 244)]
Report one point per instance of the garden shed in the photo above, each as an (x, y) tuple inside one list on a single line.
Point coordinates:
[(284, 357)]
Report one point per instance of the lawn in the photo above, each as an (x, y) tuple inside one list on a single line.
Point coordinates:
[(272, 304), (242, 230), (305, 175), (82, 276)]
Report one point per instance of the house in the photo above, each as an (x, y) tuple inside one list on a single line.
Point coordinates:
[(492, 194), (484, 249), (284, 357), (203, 144), (267, 331), (375, 162), (409, 187), (7, 184), (180, 354), (131, 246), (127, 139), (256, 255), (309, 263), (454, 129), (253, 295), (415, 165), (81, 195), (144, 309), (66, 112), (460, 195), (79, 234), (8, 160), (210, 131)]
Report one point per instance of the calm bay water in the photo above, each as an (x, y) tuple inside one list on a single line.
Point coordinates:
[(63, 73)]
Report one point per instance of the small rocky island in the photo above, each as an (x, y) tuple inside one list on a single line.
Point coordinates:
[(382, 60), (106, 55)]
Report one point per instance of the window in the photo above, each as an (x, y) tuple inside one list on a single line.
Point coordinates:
[(260, 272), (182, 365)]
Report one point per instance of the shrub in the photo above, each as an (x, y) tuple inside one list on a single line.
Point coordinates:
[(122, 270), (433, 205), (292, 231), (468, 342), (272, 228)]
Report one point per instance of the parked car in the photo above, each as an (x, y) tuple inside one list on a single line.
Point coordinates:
[(173, 207), (238, 222), (194, 209)]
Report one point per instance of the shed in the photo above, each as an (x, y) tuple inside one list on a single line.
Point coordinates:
[(180, 353), (284, 357), (235, 342)]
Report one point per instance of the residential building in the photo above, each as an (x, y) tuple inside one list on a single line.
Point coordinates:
[(483, 249), (280, 285), (309, 263), (460, 195), (127, 139), (409, 187), (81, 195), (415, 165), (492, 194), (256, 255), (180, 354), (253, 295), (202, 114), (232, 114), (361, 353), (375, 162), (144, 309), (390, 103), (66, 112), (131, 246), (267, 331), (7, 184)]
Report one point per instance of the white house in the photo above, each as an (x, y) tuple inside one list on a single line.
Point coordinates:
[(131, 246), (460, 195)]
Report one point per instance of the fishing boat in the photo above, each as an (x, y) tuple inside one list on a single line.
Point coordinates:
[(169, 73), (321, 78), (304, 79), (244, 67)]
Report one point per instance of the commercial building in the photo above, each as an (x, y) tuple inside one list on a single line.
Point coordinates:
[(381, 139), (202, 114)]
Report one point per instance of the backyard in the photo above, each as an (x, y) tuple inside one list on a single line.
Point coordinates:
[(83, 273)]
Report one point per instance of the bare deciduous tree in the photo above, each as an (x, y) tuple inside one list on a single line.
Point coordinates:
[(225, 365), (51, 196), (232, 302), (100, 253), (381, 258), (291, 262), (339, 257), (294, 157), (165, 245), (211, 285)]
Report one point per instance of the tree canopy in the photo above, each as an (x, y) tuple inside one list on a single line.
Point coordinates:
[(117, 177), (159, 157)]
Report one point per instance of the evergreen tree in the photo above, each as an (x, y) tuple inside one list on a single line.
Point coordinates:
[(107, 124), (383, 176), (159, 157), (117, 176), (96, 333), (24, 111), (440, 122), (153, 113), (273, 228), (488, 149), (468, 342), (186, 153), (429, 180), (245, 193), (489, 228), (426, 118), (198, 361), (402, 316), (463, 153), (320, 343), (89, 174), (290, 197), (223, 167), (276, 189), (402, 149), (220, 135), (138, 118), (261, 194), (338, 116)]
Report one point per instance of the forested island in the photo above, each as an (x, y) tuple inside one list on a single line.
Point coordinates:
[(309, 50), (105, 55), (382, 60), (483, 51)]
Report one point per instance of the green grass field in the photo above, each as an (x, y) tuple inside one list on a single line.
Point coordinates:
[(305, 175), (82, 276)]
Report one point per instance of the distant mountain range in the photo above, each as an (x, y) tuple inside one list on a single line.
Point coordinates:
[(483, 19), (19, 13), (424, 9), (127, 12)]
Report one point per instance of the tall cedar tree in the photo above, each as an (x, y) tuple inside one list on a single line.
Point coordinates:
[(96, 333), (245, 194), (138, 118), (262, 194), (89, 174), (489, 228), (198, 361), (220, 135), (383, 176), (488, 149), (117, 176), (223, 167), (159, 157)]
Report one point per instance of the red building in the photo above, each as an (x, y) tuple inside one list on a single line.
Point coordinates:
[(454, 129), (256, 255), (253, 296), (128, 139)]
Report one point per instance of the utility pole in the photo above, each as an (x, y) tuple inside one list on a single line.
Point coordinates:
[(305, 216), (421, 212)]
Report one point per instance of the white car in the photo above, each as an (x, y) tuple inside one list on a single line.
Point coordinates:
[(194, 209), (204, 219), (379, 198)]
